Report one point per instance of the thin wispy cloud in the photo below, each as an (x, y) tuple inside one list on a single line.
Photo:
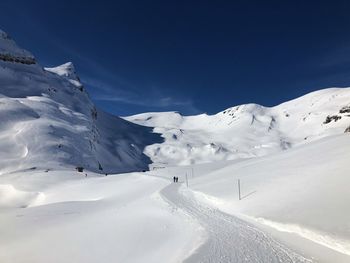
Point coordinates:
[(335, 57), (105, 85), (109, 93)]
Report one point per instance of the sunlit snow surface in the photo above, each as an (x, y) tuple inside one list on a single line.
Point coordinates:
[(144, 217), (75, 218), (247, 130), (291, 160), (48, 121), (303, 191)]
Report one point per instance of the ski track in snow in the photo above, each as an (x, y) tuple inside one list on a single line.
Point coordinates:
[(229, 239)]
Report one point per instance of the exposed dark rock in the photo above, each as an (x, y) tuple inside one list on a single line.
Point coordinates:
[(22, 60), (94, 113), (80, 169), (345, 109), (332, 118)]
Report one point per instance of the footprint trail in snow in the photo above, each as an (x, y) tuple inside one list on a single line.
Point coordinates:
[(229, 239)]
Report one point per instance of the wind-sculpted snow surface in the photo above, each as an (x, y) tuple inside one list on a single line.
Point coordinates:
[(74, 219), (48, 121), (229, 239), (247, 130)]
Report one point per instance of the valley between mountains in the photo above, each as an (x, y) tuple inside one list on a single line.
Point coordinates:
[(78, 184)]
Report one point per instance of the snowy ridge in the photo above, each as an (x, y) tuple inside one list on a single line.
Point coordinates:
[(9, 51), (67, 71), (248, 130), (49, 122)]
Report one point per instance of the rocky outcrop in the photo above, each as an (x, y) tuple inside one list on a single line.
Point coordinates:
[(345, 109), (14, 59), (332, 118)]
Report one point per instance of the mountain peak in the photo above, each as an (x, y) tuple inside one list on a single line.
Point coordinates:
[(65, 70)]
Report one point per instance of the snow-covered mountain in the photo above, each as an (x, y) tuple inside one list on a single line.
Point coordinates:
[(291, 206), (248, 130), (48, 121)]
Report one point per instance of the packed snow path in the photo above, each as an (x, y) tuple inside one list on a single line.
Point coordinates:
[(230, 239)]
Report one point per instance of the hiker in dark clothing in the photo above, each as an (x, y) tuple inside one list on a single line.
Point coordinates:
[(174, 179)]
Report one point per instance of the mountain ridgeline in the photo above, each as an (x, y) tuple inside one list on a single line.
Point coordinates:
[(49, 122), (248, 130)]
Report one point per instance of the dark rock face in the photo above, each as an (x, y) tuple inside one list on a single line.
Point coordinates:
[(14, 59), (332, 118), (345, 109)]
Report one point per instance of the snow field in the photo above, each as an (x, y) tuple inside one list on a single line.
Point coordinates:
[(117, 218), (303, 191)]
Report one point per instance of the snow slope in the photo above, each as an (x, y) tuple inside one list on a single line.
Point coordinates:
[(9, 48), (117, 218), (48, 121), (303, 191), (123, 218), (247, 130)]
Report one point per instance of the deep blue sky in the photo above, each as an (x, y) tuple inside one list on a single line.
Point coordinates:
[(189, 56)]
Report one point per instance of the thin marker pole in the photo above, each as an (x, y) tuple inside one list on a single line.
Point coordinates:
[(239, 189), (186, 180)]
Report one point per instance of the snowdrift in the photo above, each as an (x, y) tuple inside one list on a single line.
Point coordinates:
[(12, 197), (96, 219)]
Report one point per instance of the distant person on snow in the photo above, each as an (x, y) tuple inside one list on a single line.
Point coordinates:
[(174, 178)]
